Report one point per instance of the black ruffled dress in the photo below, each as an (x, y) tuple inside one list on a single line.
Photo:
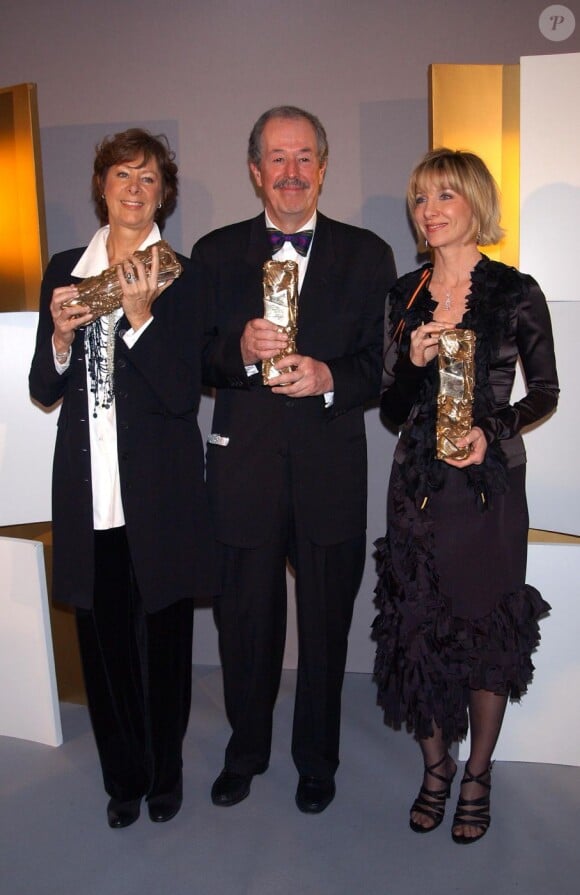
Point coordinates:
[(455, 612)]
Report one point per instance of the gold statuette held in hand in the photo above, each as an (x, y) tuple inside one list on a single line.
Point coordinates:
[(280, 281), (456, 359), (103, 294)]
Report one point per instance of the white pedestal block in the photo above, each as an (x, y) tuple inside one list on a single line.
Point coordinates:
[(545, 726), (28, 694)]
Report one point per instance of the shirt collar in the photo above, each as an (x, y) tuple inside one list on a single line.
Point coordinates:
[(95, 259), (309, 225)]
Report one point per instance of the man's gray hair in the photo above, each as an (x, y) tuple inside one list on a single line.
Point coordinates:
[(292, 112)]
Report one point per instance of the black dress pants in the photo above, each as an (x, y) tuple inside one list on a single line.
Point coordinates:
[(251, 617), (137, 671)]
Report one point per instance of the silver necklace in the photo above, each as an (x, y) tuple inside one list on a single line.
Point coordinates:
[(448, 297), (100, 354)]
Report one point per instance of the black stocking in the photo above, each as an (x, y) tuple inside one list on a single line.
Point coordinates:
[(433, 749), (435, 756), (486, 711)]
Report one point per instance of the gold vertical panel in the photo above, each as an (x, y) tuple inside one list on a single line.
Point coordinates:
[(23, 247), (476, 107), (510, 175)]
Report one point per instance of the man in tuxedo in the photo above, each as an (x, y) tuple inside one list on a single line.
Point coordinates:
[(286, 462)]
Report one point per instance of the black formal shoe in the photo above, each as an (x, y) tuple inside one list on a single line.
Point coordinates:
[(314, 794), (230, 788), (122, 814), (165, 806)]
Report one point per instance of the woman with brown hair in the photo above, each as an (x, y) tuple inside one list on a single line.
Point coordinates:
[(130, 520)]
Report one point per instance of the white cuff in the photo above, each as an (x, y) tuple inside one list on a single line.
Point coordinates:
[(132, 335)]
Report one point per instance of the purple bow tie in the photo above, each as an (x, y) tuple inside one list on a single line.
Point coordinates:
[(301, 240)]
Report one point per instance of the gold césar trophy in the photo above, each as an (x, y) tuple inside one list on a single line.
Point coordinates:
[(456, 360), (280, 281), (103, 294)]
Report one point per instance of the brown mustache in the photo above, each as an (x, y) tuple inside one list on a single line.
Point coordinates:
[(291, 181)]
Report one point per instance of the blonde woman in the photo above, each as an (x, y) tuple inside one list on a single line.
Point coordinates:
[(457, 622)]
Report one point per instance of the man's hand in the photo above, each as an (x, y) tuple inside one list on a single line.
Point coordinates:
[(261, 339), (307, 377)]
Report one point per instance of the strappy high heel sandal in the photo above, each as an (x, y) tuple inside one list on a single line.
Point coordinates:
[(431, 802), (473, 812)]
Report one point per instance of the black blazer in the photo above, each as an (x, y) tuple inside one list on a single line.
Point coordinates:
[(340, 321), (157, 388)]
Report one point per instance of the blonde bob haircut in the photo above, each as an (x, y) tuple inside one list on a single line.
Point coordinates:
[(464, 173)]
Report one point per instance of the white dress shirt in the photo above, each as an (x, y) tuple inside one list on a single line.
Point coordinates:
[(107, 504), (289, 253)]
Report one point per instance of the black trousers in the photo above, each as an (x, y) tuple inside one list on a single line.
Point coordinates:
[(137, 671), (251, 617)]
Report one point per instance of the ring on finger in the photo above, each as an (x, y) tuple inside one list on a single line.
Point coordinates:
[(129, 277)]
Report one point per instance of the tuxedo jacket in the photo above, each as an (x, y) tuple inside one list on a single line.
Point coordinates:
[(157, 389), (270, 444)]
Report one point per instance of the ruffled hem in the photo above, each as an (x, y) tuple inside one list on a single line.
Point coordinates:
[(427, 660)]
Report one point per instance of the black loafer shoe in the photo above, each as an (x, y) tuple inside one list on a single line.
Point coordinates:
[(122, 814), (164, 806), (314, 794), (230, 788)]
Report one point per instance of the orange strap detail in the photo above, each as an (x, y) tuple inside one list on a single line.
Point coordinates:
[(400, 325)]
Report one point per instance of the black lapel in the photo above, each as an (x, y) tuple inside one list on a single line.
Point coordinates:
[(258, 245), (322, 259)]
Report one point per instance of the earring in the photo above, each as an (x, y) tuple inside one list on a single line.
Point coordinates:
[(102, 195), (427, 246), (478, 237), (160, 205)]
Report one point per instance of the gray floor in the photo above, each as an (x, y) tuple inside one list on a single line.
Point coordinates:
[(54, 837)]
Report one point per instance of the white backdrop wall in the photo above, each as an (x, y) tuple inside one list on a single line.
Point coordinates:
[(203, 71), (549, 215)]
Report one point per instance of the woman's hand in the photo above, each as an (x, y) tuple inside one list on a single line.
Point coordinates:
[(424, 343), (67, 319), (477, 442), (139, 288)]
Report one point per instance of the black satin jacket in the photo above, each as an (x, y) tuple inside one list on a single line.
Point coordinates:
[(509, 314)]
